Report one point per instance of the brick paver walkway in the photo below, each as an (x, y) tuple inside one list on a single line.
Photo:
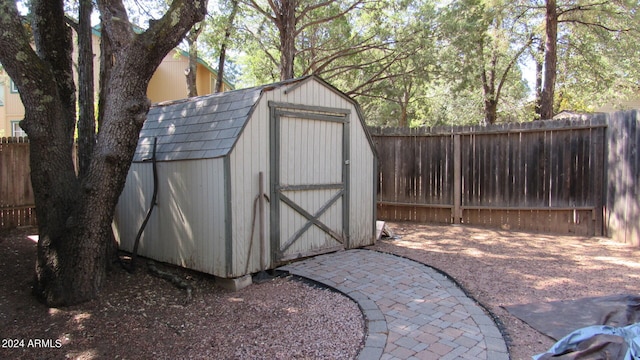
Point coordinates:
[(411, 310)]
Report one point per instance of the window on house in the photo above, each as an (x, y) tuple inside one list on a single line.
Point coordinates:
[(1, 93), (14, 88), (16, 130)]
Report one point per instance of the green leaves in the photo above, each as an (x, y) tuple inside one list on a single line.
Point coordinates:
[(439, 62)]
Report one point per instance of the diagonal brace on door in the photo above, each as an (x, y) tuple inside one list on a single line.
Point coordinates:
[(313, 219)]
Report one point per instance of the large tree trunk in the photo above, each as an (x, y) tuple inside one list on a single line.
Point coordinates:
[(86, 118), (45, 82), (403, 121), (489, 87), (192, 71), (550, 61), (223, 47), (539, 69), (106, 65), (221, 60), (490, 111), (74, 216), (403, 101), (287, 30)]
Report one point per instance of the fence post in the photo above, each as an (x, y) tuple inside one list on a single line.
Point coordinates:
[(457, 180)]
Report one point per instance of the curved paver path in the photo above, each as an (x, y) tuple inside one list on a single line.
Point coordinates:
[(412, 311)]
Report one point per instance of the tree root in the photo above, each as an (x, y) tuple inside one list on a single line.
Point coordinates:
[(172, 278)]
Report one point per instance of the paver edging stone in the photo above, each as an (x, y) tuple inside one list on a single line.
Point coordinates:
[(376, 331)]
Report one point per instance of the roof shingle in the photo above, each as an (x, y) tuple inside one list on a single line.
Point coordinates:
[(196, 128)]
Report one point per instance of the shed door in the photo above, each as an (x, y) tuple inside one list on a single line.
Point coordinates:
[(309, 172)]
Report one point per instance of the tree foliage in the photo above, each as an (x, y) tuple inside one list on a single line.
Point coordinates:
[(592, 54), (434, 62)]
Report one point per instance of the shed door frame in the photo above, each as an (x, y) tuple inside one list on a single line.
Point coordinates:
[(277, 110)]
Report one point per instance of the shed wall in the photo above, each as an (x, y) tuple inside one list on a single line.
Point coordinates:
[(362, 159), (362, 193), (251, 155), (187, 226)]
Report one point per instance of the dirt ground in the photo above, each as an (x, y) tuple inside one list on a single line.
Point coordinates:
[(141, 316)]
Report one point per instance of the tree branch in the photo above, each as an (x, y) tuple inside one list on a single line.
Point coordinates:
[(262, 11), (342, 52), (585, 7), (323, 20), (30, 74), (261, 44), (115, 21), (376, 76), (594, 25), (513, 61)]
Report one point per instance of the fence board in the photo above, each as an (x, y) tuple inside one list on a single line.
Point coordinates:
[(17, 205), (623, 175)]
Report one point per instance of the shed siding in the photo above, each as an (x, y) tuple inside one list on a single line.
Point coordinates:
[(362, 162), (133, 206), (187, 224), (248, 158), (251, 155), (362, 189)]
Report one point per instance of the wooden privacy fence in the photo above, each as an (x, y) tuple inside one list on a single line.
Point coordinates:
[(556, 176), (17, 205)]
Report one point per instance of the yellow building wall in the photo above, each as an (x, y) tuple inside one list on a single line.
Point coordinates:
[(168, 83), (3, 98), (203, 80), (11, 109)]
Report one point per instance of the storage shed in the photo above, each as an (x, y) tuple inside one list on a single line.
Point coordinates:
[(301, 143)]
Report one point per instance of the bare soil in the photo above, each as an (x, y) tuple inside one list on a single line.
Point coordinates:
[(142, 316)]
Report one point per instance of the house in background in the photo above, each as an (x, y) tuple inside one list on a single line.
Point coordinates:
[(11, 108), (168, 83)]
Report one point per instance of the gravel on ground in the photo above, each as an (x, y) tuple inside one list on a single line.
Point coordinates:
[(142, 316)]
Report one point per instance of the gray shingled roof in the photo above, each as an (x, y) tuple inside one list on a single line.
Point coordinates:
[(197, 128)]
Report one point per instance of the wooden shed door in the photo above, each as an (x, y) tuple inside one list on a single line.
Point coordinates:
[(309, 172)]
